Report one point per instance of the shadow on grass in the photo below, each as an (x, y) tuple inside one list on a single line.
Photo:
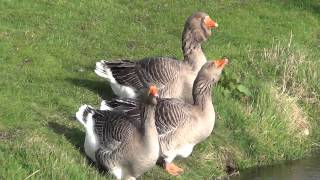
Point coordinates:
[(76, 138), (99, 87), (310, 6), (73, 135)]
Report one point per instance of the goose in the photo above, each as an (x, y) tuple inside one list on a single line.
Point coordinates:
[(174, 78), (181, 125), (126, 145)]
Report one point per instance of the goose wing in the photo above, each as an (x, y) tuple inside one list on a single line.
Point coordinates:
[(158, 70), (123, 104), (112, 128), (170, 114)]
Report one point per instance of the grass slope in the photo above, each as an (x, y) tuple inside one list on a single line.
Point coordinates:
[(48, 51)]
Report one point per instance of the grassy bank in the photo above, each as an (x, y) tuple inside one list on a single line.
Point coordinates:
[(48, 51)]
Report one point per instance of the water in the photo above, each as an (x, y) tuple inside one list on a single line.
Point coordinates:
[(304, 169)]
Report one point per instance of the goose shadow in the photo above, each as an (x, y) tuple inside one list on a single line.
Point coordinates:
[(76, 138), (72, 134), (99, 87), (310, 6)]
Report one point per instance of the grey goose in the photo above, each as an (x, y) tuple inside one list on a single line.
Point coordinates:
[(181, 125), (174, 78), (126, 145)]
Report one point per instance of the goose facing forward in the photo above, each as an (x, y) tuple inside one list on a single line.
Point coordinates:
[(182, 125), (173, 78), (126, 145)]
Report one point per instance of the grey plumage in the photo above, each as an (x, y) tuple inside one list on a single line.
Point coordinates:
[(174, 78), (194, 33), (127, 143), (181, 125), (156, 70), (170, 114)]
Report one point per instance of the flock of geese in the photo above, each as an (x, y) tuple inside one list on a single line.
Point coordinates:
[(164, 107)]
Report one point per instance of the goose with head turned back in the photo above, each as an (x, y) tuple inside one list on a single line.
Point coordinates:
[(181, 125), (173, 78), (126, 145)]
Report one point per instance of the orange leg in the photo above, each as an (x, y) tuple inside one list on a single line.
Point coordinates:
[(172, 169)]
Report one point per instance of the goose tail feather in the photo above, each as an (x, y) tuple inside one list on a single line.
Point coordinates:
[(84, 112), (115, 70)]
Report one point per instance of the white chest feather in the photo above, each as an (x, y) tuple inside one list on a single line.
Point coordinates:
[(208, 124), (183, 151), (186, 150)]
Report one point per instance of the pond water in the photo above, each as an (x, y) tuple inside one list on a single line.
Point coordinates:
[(304, 169)]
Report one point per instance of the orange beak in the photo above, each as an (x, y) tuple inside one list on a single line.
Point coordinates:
[(153, 90), (221, 62), (210, 23)]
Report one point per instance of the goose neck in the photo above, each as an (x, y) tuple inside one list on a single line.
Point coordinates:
[(148, 118), (201, 93), (192, 50)]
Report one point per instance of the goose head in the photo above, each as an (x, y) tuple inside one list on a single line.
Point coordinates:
[(200, 24), (153, 94), (148, 94), (212, 70)]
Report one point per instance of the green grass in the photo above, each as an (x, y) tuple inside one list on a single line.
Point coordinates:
[(48, 51)]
